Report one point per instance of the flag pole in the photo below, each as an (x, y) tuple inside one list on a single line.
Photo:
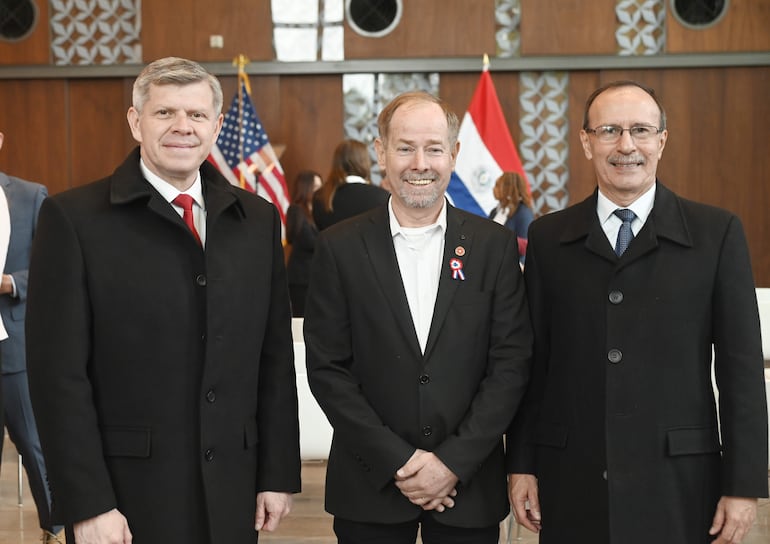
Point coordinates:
[(241, 61)]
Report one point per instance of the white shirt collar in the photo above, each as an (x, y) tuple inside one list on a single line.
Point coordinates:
[(396, 228), (355, 179), (642, 206), (168, 191)]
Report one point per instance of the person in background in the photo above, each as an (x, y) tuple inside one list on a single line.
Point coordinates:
[(620, 439), (514, 208), (24, 200), (418, 348), (159, 338), (347, 191), (301, 233)]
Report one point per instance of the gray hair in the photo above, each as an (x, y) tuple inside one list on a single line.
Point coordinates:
[(174, 71)]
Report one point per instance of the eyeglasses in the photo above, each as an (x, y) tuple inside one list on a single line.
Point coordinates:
[(612, 133)]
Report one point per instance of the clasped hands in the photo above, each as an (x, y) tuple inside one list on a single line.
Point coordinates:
[(427, 482)]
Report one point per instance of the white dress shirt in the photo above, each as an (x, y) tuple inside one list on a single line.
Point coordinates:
[(169, 192), (419, 252), (610, 222)]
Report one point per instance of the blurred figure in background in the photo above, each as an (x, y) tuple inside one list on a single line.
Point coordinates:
[(301, 233), (24, 200), (514, 208), (347, 190)]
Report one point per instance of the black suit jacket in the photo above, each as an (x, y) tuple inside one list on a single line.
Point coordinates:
[(384, 398), (161, 374), (620, 424)]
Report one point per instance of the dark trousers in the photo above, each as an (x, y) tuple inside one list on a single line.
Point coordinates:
[(431, 532)]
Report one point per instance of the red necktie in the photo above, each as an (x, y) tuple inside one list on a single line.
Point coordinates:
[(186, 202)]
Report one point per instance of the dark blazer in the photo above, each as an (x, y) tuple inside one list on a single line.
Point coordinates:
[(384, 398), (349, 200), (24, 200), (162, 375), (620, 424)]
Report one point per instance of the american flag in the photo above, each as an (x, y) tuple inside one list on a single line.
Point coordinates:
[(244, 155)]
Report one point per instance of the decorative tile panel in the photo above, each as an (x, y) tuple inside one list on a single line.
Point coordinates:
[(507, 36), (544, 149), (641, 27), (364, 97), (96, 31)]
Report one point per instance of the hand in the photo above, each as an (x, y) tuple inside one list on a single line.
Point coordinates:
[(427, 482), (6, 285), (522, 493), (108, 528), (272, 507), (733, 519)]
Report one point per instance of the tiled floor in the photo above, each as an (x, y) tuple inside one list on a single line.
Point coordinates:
[(307, 524)]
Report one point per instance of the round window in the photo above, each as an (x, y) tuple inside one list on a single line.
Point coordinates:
[(699, 13), (17, 19), (373, 18)]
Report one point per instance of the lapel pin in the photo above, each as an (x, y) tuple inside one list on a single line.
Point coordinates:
[(459, 251), (457, 269)]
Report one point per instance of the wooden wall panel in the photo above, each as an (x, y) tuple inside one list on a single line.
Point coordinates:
[(34, 49), (35, 123), (182, 28), (98, 130), (432, 28), (311, 122), (568, 27), (744, 27), (245, 25), (168, 29)]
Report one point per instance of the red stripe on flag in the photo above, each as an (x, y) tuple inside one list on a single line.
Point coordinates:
[(491, 125)]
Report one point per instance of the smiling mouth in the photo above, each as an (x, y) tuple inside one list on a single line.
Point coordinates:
[(626, 164), (419, 182)]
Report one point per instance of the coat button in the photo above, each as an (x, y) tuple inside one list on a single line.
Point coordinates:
[(604, 475), (424, 379), (615, 356), (209, 455), (211, 396), (201, 280), (427, 430), (616, 297)]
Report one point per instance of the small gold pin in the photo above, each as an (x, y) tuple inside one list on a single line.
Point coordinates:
[(459, 251)]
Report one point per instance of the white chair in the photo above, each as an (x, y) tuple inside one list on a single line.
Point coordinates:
[(315, 432)]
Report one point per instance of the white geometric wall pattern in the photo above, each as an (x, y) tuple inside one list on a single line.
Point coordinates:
[(96, 31), (641, 27), (308, 30), (507, 36), (364, 96), (544, 148)]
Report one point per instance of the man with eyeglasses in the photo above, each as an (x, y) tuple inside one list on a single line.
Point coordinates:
[(618, 440)]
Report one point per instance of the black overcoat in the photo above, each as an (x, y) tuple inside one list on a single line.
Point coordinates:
[(620, 425), (162, 375)]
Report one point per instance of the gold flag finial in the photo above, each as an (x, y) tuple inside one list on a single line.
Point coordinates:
[(241, 61), (486, 63)]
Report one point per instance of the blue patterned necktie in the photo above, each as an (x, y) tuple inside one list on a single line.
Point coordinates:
[(625, 234)]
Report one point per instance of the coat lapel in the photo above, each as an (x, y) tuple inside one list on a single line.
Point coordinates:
[(378, 241), (456, 237), (666, 220)]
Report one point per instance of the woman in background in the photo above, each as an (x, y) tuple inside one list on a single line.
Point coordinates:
[(347, 190), (514, 208), (301, 233)]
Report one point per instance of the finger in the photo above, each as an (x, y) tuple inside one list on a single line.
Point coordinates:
[(718, 522), (260, 520)]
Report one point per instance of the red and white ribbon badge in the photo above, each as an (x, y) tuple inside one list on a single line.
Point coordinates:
[(457, 269)]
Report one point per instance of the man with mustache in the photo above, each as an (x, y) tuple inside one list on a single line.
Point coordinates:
[(618, 439), (159, 338), (418, 348)]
